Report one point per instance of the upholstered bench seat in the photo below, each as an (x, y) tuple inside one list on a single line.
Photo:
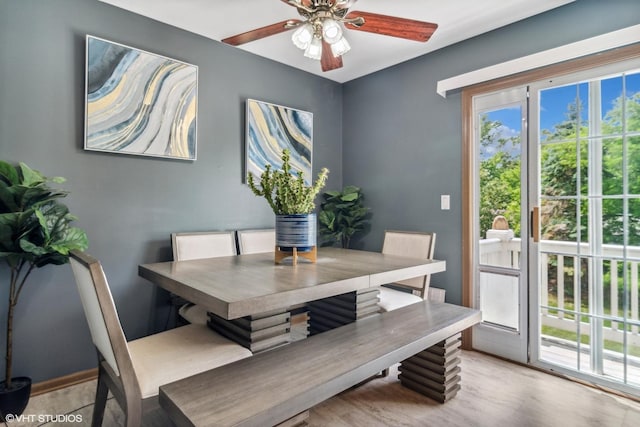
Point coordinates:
[(160, 359), (391, 299), (194, 314)]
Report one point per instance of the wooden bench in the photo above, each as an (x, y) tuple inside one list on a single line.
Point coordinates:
[(273, 387)]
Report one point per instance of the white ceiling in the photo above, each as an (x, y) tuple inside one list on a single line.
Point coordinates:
[(457, 20)]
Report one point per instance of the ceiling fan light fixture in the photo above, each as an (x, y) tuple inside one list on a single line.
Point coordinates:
[(340, 47), (331, 31), (322, 24), (303, 36), (314, 50)]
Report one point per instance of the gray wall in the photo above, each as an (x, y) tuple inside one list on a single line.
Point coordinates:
[(128, 204), (401, 145), (402, 141)]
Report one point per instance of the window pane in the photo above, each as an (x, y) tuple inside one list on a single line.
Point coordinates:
[(558, 172), (611, 106), (558, 219), (626, 288), (633, 164), (584, 166), (584, 331), (632, 110), (634, 225), (568, 272), (561, 113), (633, 369), (581, 105), (551, 281), (580, 276), (612, 221), (612, 171), (500, 180)]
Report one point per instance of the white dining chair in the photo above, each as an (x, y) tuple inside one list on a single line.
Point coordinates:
[(204, 244), (199, 245), (256, 241), (409, 244), (134, 371)]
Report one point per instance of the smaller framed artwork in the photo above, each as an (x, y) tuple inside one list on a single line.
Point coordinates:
[(273, 128), (138, 102)]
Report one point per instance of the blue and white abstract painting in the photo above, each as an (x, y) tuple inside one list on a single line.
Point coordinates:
[(139, 103), (273, 128)]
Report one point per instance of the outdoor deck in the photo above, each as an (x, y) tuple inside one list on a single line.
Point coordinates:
[(604, 311)]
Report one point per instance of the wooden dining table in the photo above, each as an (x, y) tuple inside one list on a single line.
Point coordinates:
[(249, 297)]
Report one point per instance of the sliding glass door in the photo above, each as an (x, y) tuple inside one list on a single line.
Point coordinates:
[(556, 224), (587, 132)]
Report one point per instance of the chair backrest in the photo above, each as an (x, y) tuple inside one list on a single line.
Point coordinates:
[(411, 244), (256, 241), (101, 314), (188, 246)]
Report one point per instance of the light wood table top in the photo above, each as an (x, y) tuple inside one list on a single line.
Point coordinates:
[(242, 285)]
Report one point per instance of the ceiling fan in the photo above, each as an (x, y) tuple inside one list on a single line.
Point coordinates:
[(320, 35)]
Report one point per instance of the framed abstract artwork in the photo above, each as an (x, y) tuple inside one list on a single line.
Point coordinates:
[(138, 102), (273, 128)]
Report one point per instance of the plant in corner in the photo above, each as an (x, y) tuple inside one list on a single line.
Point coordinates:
[(35, 230), (293, 203), (342, 215)]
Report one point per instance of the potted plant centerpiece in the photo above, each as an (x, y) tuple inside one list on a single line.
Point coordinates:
[(35, 231), (293, 203)]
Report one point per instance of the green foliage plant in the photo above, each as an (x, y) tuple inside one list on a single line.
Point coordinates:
[(342, 214), (35, 231), (286, 192)]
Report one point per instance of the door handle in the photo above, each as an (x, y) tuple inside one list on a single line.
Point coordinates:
[(535, 224)]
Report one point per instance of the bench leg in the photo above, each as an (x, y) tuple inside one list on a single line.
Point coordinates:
[(434, 372)]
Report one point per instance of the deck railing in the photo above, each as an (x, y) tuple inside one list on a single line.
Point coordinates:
[(558, 263)]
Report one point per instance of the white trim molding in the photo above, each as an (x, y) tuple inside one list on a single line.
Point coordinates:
[(601, 43)]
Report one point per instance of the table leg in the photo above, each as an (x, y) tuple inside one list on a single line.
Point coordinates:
[(257, 332), (333, 312), (434, 372)]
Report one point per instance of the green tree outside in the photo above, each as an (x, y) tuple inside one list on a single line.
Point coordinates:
[(499, 176)]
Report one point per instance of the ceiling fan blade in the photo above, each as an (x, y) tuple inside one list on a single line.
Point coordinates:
[(392, 26), (328, 61), (262, 32)]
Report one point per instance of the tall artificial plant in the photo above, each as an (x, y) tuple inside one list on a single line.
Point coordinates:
[(285, 191), (35, 230), (342, 215)]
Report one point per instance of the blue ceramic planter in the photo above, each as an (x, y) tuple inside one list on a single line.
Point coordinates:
[(296, 231)]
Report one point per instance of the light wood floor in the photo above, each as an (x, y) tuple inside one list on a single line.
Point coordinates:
[(494, 393)]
